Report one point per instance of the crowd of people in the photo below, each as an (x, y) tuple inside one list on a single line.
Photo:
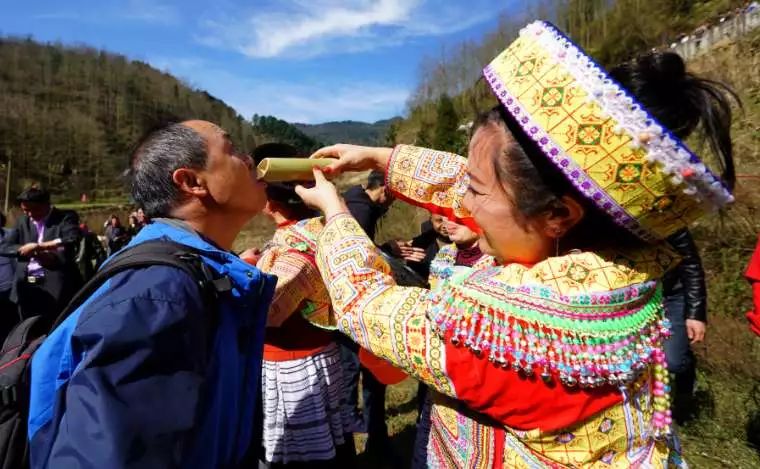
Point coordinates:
[(557, 293)]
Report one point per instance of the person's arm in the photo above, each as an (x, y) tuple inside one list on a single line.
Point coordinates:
[(426, 178), (68, 234), (297, 277), (134, 400), (692, 276), (373, 310), (434, 180)]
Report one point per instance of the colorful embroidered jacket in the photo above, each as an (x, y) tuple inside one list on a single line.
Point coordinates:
[(444, 265), (560, 364), (299, 294)]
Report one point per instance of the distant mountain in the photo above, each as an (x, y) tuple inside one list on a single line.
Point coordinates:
[(361, 133)]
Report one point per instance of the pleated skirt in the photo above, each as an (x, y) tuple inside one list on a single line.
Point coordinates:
[(304, 416)]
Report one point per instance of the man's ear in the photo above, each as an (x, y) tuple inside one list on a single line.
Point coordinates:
[(188, 182), (563, 217)]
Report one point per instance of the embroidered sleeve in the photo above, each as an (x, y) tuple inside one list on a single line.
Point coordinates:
[(297, 280), (382, 317), (434, 180)]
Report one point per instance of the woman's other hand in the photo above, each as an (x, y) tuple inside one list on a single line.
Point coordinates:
[(354, 158), (323, 196)]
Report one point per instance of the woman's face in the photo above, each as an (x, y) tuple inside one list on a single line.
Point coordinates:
[(505, 235)]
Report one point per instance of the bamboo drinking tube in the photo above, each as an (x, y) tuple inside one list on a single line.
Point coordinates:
[(289, 169)]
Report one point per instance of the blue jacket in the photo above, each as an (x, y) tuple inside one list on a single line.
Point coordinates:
[(131, 378)]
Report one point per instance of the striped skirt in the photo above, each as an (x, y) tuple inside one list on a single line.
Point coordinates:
[(304, 416)]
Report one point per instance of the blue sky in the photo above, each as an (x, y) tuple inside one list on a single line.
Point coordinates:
[(300, 60)]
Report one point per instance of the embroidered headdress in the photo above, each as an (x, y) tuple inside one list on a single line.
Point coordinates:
[(606, 143)]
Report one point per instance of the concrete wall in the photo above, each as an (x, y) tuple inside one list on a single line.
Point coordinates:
[(700, 42)]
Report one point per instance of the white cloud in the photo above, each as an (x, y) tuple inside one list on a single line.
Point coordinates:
[(306, 28), (306, 102), (150, 12), (139, 11)]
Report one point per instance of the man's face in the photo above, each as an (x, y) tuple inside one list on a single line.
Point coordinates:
[(230, 176), (35, 210)]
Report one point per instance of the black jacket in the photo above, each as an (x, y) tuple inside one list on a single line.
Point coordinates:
[(363, 209), (427, 240), (688, 279), (63, 280)]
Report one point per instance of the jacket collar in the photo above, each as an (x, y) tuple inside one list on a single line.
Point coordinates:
[(243, 275)]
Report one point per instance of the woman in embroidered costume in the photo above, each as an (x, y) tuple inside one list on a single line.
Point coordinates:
[(554, 357), (303, 418)]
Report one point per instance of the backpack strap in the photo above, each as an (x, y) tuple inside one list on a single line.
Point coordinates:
[(21, 334), (149, 253)]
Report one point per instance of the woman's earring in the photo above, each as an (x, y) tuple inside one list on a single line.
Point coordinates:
[(558, 235)]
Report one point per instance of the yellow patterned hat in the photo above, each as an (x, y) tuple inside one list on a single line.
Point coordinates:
[(604, 141)]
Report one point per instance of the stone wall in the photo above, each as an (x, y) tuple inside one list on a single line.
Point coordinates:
[(728, 28)]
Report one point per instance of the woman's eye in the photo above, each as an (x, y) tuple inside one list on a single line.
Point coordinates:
[(473, 191)]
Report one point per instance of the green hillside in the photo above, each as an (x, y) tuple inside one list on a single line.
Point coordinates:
[(360, 133), (69, 116)]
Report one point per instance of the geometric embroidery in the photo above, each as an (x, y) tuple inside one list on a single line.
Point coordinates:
[(552, 96), (526, 67), (578, 273), (629, 173), (606, 425), (589, 134)]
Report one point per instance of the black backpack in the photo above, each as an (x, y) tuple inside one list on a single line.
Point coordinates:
[(26, 337)]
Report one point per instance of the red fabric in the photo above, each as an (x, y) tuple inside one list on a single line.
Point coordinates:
[(754, 316), (447, 212), (380, 368), (286, 223), (294, 339), (753, 275), (753, 269), (519, 402)]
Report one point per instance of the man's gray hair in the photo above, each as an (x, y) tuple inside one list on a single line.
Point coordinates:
[(158, 155)]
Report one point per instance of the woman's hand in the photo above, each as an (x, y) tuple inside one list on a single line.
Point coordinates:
[(322, 196), (354, 158)]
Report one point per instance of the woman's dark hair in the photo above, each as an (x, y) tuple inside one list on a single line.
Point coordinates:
[(683, 102), (688, 103), (283, 193)]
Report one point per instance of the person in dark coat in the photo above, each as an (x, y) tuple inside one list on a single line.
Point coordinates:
[(685, 301), (91, 253), (147, 373), (420, 251), (8, 310), (46, 240), (367, 205)]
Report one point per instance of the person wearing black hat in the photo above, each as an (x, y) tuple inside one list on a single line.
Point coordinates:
[(45, 239)]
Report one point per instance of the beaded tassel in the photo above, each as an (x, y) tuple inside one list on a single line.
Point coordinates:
[(576, 358)]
